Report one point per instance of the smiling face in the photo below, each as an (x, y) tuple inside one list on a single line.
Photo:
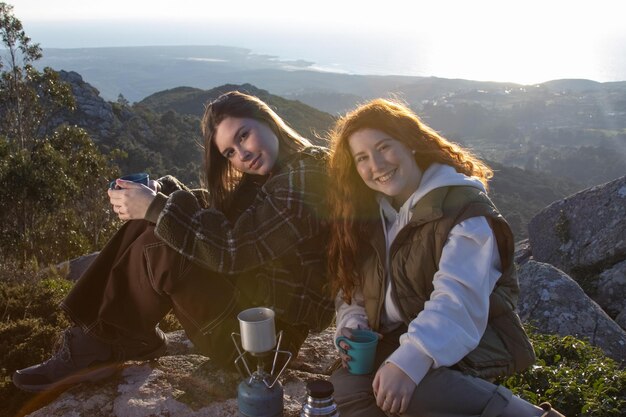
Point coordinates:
[(385, 164), (249, 146)]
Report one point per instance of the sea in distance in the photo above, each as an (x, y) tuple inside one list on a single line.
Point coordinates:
[(365, 51)]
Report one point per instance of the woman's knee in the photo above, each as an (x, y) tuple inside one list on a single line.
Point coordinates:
[(350, 388), (445, 391), (354, 395)]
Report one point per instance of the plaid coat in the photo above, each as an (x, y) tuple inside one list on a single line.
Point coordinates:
[(274, 249)]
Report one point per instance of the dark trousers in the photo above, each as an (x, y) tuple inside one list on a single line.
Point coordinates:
[(137, 279)]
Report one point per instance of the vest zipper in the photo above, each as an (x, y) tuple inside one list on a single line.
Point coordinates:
[(393, 249)]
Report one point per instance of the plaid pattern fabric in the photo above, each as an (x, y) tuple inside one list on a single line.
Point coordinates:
[(277, 244)]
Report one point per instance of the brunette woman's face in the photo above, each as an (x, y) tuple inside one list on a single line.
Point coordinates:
[(385, 164), (249, 145)]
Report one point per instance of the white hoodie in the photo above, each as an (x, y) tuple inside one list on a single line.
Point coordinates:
[(455, 317)]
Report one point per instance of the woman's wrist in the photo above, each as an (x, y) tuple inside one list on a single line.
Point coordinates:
[(156, 207)]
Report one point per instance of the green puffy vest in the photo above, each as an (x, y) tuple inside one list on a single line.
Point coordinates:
[(414, 259)]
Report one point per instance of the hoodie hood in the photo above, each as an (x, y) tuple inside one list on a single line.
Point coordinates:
[(436, 176), (439, 175)]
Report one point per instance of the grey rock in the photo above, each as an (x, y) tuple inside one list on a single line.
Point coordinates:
[(92, 113), (185, 384), (620, 320), (318, 354), (612, 289), (554, 303), (523, 251), (585, 233)]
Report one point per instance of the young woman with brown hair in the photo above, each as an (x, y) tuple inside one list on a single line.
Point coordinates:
[(251, 238)]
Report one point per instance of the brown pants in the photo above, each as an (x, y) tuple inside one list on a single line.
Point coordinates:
[(444, 392), (137, 279)]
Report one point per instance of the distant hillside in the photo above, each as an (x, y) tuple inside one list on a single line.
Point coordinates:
[(520, 194), (307, 120), (580, 85), (543, 127), (162, 134)]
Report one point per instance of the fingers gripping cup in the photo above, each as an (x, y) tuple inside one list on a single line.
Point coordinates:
[(140, 178), (362, 350)]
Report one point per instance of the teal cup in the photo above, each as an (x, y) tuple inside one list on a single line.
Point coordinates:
[(362, 350), (141, 178)]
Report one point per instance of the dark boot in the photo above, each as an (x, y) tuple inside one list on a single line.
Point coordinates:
[(78, 358), (81, 358)]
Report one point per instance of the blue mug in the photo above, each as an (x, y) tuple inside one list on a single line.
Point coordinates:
[(362, 350), (140, 178)]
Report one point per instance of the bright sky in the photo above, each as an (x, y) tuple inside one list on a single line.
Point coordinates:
[(490, 37)]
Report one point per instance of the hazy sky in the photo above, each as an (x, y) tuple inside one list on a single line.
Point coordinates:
[(523, 41)]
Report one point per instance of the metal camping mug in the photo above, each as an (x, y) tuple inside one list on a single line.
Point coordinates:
[(258, 333)]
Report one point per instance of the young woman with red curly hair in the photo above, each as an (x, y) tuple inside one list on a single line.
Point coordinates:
[(420, 254)]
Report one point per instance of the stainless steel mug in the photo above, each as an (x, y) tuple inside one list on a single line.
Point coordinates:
[(258, 332)]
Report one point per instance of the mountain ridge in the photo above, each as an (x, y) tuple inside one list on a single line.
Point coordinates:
[(307, 120)]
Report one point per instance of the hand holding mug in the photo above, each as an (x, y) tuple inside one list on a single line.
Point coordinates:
[(344, 347), (131, 196), (358, 349)]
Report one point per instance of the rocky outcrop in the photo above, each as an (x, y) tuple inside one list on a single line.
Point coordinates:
[(554, 303), (523, 252), (611, 293), (581, 244), (583, 234), (92, 113), (185, 384)]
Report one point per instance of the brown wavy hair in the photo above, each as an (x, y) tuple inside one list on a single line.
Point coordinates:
[(353, 205), (220, 178)]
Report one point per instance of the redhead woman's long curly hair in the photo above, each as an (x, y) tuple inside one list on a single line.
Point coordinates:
[(353, 205)]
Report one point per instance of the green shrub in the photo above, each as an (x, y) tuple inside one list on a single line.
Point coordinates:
[(574, 376), (54, 205), (33, 298), (31, 320), (30, 324)]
